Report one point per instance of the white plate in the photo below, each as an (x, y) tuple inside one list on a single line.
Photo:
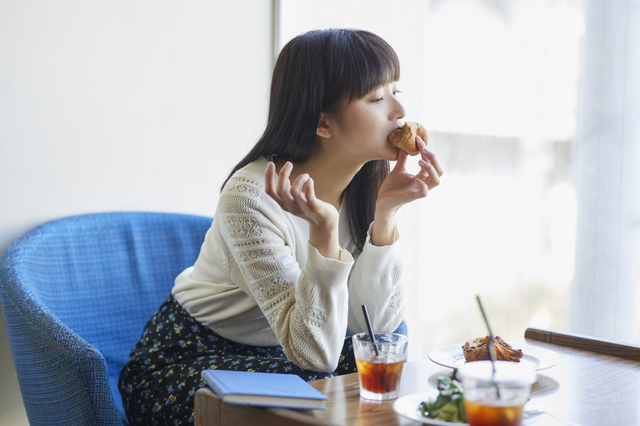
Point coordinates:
[(451, 356), (407, 406)]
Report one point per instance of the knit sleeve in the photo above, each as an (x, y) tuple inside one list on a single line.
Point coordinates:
[(376, 281), (307, 308)]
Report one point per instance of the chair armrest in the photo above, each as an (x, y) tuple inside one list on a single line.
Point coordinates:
[(622, 350), (74, 385)]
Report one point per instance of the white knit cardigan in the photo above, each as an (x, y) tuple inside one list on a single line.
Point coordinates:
[(259, 281)]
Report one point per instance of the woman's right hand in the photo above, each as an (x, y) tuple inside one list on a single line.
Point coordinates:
[(299, 199)]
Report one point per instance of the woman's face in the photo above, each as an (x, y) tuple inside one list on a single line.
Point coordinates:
[(364, 124)]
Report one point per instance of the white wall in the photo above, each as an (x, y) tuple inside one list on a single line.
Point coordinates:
[(119, 105)]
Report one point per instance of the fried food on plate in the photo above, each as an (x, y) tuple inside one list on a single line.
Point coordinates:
[(478, 350)]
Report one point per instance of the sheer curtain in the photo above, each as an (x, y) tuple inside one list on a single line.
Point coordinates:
[(605, 294), (523, 105)]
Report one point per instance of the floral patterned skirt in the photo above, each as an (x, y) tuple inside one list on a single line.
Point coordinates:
[(159, 381)]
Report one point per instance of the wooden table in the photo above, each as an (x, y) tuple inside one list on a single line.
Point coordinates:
[(596, 383)]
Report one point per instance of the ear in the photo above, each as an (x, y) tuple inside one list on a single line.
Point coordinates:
[(325, 129)]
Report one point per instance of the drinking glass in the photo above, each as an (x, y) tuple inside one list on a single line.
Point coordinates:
[(495, 399), (379, 372)]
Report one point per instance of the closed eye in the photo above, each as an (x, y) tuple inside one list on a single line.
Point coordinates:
[(375, 101)]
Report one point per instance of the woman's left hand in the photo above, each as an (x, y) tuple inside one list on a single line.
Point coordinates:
[(401, 187)]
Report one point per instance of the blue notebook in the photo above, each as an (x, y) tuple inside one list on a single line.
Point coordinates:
[(264, 389)]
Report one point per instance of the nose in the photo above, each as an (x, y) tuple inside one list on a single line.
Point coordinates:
[(397, 110)]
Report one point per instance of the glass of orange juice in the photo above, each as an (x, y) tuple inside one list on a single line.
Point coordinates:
[(496, 399), (379, 372)]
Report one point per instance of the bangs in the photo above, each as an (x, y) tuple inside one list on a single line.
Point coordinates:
[(358, 63)]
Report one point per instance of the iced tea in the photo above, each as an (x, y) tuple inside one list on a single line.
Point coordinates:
[(379, 377), (486, 413), (495, 393), (379, 364)]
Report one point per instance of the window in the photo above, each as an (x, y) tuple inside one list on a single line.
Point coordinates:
[(532, 107)]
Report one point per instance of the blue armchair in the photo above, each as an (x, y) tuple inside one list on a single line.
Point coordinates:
[(76, 293)]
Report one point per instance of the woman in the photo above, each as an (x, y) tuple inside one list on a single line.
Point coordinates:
[(303, 235)]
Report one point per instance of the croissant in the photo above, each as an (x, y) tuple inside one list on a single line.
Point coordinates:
[(478, 350), (405, 137)]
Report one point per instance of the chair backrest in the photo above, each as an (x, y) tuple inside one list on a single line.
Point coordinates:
[(76, 293)]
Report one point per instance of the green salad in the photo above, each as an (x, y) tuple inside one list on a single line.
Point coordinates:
[(449, 405)]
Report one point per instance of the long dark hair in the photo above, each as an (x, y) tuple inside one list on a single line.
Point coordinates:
[(314, 71)]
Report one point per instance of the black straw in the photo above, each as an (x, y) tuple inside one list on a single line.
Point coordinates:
[(373, 337), (492, 349)]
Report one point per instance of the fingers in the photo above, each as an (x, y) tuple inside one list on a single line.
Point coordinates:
[(401, 162), (423, 174), (268, 178), (297, 192), (283, 190), (298, 197), (269, 184), (309, 191), (429, 156), (428, 174), (430, 168)]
